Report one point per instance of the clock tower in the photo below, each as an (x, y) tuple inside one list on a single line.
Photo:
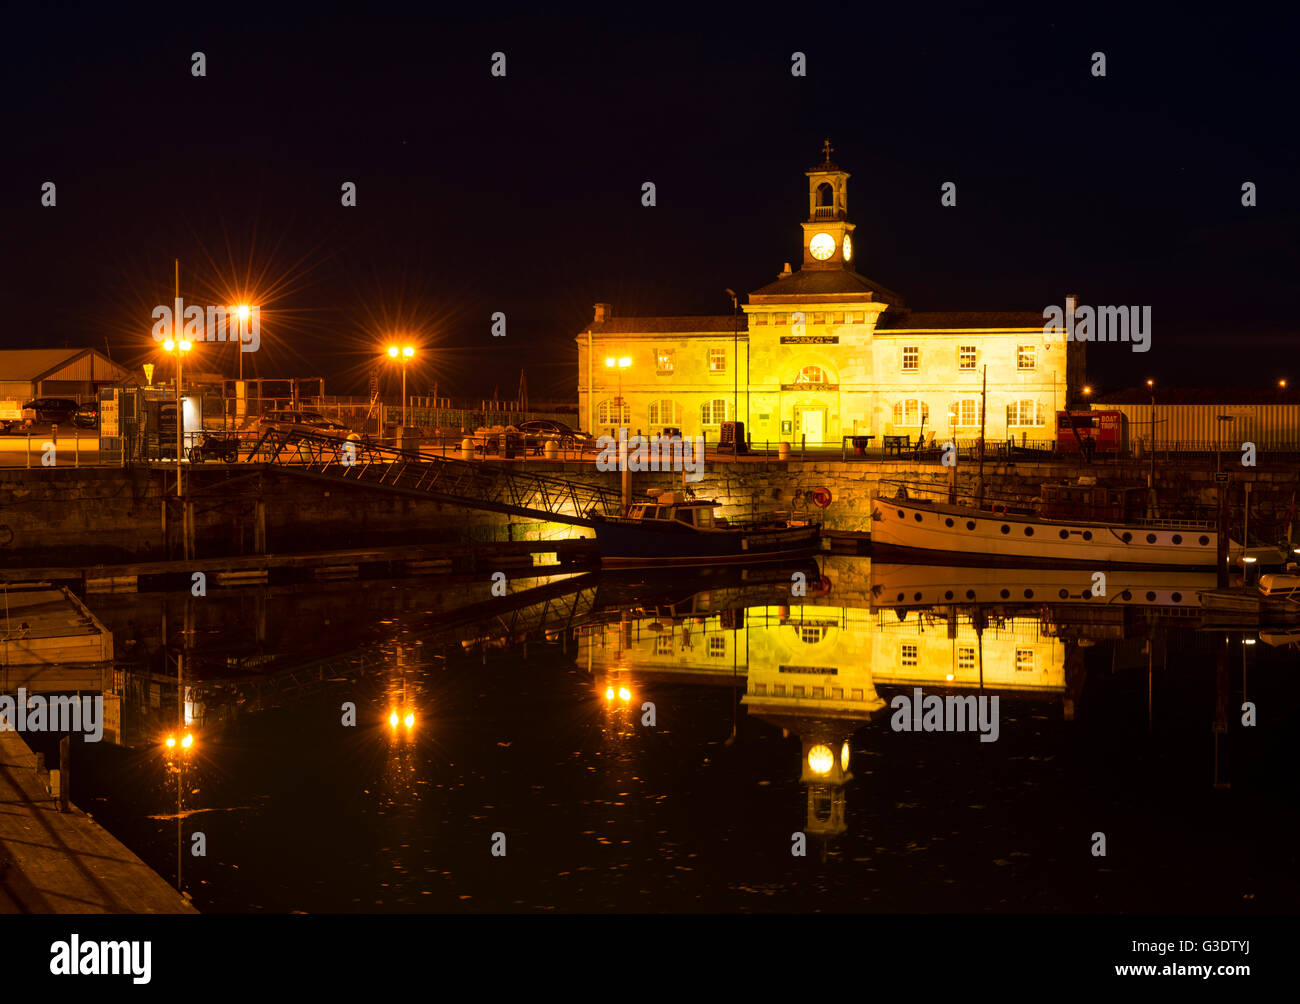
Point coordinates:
[(828, 236)]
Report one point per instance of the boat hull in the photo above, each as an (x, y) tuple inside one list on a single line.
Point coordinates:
[(633, 544), (913, 530)]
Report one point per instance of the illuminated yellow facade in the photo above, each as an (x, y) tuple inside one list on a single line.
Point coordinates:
[(824, 352)]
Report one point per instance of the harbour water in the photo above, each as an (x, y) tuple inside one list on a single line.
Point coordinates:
[(712, 742)]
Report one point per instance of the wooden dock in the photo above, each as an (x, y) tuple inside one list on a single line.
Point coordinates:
[(65, 862)]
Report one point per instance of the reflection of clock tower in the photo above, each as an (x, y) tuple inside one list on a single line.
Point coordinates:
[(827, 236)]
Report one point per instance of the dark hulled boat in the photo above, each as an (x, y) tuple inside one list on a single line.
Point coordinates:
[(671, 530)]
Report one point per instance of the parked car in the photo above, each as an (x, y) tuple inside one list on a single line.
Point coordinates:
[(87, 416), (52, 410), (308, 422), (540, 431)]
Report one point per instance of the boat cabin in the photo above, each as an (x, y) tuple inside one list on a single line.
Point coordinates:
[(1086, 499), (675, 507)]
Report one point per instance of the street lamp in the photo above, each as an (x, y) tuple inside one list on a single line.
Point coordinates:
[(403, 354), (243, 312), (179, 347), (621, 363)]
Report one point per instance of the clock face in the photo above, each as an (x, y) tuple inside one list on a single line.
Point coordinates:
[(848, 248), (822, 246)]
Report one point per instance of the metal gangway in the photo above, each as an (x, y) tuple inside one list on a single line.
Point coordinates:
[(469, 483)]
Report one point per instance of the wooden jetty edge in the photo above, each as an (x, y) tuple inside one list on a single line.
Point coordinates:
[(65, 862)]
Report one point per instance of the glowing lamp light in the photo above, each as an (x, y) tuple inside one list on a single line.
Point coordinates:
[(610, 361), (949, 676), (1248, 641), (1249, 560), (609, 693), (844, 757), (392, 351), (242, 311), (392, 719), (170, 742), (408, 352), (624, 693), (409, 720), (187, 742), (625, 361), (821, 759), (169, 345)]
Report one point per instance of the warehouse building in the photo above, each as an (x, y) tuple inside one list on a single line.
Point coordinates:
[(1208, 420), (26, 374)]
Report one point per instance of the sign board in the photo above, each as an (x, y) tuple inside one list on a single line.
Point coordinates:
[(108, 416), (810, 339), (1221, 478), (11, 411)]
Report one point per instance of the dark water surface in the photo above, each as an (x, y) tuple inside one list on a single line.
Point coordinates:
[(600, 812)]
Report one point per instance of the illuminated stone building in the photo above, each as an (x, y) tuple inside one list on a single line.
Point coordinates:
[(824, 352)]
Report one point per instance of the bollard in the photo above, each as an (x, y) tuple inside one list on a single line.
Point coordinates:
[(550, 451), (467, 449), (782, 451)]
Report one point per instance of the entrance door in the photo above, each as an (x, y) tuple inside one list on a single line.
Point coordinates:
[(812, 424)]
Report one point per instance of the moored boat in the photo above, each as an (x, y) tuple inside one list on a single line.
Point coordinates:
[(671, 530)]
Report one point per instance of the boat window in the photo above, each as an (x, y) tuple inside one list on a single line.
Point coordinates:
[(638, 512), (686, 516)]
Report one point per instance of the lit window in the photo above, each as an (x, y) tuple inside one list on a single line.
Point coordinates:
[(664, 360), (837, 318), (909, 655), (1026, 357), (1024, 660), (966, 357), (911, 358), (613, 413), (664, 644), (717, 646), (811, 634), (713, 412), (811, 374), (967, 411), (966, 659), (859, 317), (717, 360), (780, 318), (759, 318), (665, 413), (912, 412), (1025, 413)]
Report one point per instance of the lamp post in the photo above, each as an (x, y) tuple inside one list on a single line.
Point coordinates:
[(405, 353), (735, 368), (619, 364), (179, 346), (242, 312)]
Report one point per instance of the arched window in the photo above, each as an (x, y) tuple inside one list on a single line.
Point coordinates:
[(665, 412), (911, 412), (812, 375), (611, 413), (825, 195), (713, 412)]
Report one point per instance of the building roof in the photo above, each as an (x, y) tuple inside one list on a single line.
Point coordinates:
[(911, 320), (832, 284), (724, 323), (1208, 396), (33, 365)]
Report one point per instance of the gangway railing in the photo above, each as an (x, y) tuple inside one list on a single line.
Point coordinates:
[(446, 479)]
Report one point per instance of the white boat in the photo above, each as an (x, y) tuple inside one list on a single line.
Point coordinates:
[(1082, 525)]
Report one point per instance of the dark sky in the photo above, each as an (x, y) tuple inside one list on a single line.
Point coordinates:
[(522, 194)]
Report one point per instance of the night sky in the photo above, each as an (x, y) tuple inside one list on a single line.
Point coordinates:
[(522, 194)]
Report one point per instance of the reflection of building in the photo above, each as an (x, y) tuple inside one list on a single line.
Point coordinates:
[(823, 352)]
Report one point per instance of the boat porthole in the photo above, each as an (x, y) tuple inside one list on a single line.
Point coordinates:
[(1064, 594), (948, 595), (1006, 594), (901, 597), (1151, 538), (1005, 528), (1178, 538), (1029, 531), (901, 514), (1086, 594), (1126, 536), (948, 521), (1087, 535), (1151, 597), (916, 597), (970, 524), (916, 516), (1177, 597), (1126, 595), (1204, 540), (970, 594), (1029, 594), (1064, 534)]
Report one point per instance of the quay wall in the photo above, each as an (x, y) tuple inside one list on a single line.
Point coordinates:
[(102, 515)]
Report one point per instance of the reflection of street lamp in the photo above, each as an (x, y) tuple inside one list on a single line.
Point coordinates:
[(186, 744), (621, 363), (404, 354), (179, 346)]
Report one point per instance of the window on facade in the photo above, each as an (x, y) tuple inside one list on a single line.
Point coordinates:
[(714, 412), (717, 360), (1026, 357), (664, 644), (612, 413), (966, 357), (811, 374), (909, 655), (811, 634), (967, 411), (966, 658), (838, 318), (664, 360), (911, 412), (859, 317), (781, 318), (1025, 413), (665, 413), (717, 646), (911, 358), (759, 318), (1024, 660)]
